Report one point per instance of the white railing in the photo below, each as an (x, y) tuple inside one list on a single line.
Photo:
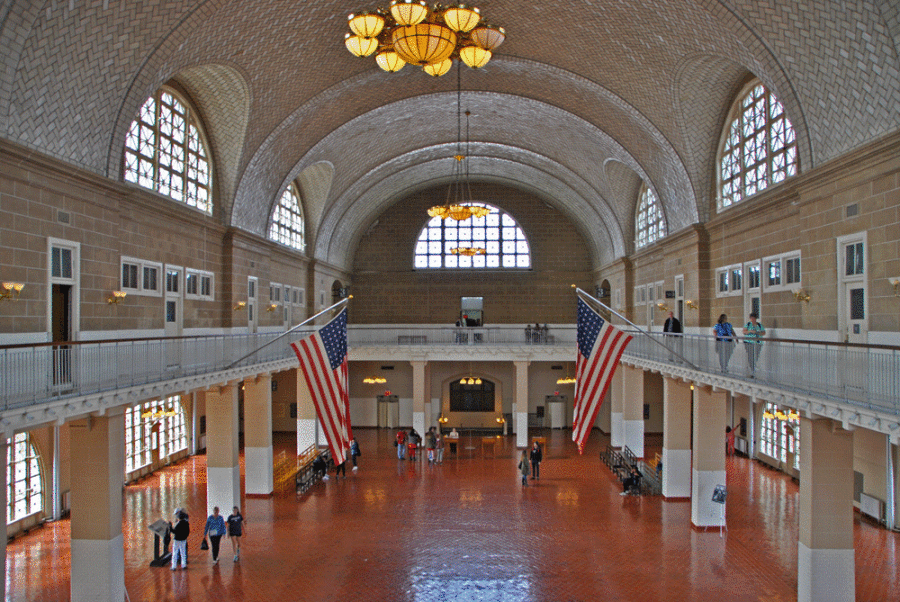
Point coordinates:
[(866, 376)]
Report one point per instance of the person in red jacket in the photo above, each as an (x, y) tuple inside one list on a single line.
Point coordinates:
[(401, 444)]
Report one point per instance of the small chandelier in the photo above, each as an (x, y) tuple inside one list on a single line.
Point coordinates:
[(374, 380), (409, 32), (470, 381), (468, 251)]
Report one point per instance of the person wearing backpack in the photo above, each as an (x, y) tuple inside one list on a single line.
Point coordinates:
[(753, 330)]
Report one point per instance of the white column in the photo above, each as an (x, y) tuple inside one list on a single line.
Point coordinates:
[(97, 549), (259, 463), (56, 506), (223, 469), (3, 477), (633, 410), (826, 570), (306, 415), (520, 396), (676, 451), (617, 430), (419, 393), (708, 456)]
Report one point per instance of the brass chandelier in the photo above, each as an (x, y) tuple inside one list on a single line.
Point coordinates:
[(409, 32)]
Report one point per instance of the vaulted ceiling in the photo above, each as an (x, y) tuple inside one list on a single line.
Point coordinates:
[(583, 102)]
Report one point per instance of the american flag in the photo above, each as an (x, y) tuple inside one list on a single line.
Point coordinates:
[(600, 345), (323, 360)]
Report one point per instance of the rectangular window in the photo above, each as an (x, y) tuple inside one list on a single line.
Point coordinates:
[(172, 278), (275, 293), (190, 283), (773, 273), (855, 261), (722, 279), (61, 262), (287, 295), (752, 276), (251, 288), (151, 278), (198, 285), (130, 276), (736, 278), (140, 277), (792, 270), (206, 286)]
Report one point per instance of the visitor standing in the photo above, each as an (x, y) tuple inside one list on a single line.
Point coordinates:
[(430, 443), (354, 452), (724, 341), (180, 533), (215, 528), (753, 330), (523, 468), (536, 457), (235, 531), (439, 448), (401, 444)]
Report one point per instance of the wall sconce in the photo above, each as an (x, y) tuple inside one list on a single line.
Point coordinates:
[(895, 282), (8, 288), (239, 306), (691, 304), (801, 295), (272, 307), (443, 419), (500, 420), (116, 297), (662, 306), (470, 381)]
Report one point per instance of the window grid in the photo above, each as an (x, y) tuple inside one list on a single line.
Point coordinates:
[(760, 149), (780, 433), (497, 233), (165, 152), (24, 490), (150, 424), (286, 227), (650, 225)]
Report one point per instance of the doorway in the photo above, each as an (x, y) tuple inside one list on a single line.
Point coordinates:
[(852, 293), (63, 310)]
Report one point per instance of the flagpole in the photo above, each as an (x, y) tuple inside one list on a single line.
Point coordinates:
[(287, 332), (630, 323)]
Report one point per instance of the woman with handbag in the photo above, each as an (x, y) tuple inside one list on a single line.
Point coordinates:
[(215, 528), (724, 341)]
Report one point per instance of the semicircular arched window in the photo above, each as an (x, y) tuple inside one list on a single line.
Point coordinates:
[(165, 151), (442, 243), (286, 226), (760, 148), (24, 489), (650, 223)]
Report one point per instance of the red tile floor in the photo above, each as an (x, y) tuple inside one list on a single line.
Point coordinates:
[(467, 530)]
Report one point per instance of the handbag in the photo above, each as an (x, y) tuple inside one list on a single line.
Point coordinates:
[(203, 544)]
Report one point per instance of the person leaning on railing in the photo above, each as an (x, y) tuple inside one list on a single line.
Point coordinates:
[(724, 341), (753, 330)]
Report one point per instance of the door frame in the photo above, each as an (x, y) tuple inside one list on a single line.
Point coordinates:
[(845, 282)]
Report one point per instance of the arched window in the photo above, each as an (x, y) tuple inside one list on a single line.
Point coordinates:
[(153, 426), (760, 147), (24, 491), (650, 225), (165, 151), (286, 226), (780, 434), (497, 233)]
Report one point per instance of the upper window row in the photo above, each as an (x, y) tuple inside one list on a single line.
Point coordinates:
[(776, 273)]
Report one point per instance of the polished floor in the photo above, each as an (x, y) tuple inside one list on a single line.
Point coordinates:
[(467, 530)]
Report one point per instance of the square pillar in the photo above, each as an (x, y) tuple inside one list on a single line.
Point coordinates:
[(825, 557), (419, 394), (617, 431), (708, 456), (223, 469), (676, 451), (97, 455), (306, 415), (520, 400), (258, 460), (633, 410)]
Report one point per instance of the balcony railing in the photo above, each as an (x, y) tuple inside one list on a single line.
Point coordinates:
[(866, 376)]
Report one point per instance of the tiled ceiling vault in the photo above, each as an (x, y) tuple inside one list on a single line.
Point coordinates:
[(583, 102)]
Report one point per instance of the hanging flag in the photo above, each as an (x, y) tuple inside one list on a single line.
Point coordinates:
[(323, 360), (600, 345)]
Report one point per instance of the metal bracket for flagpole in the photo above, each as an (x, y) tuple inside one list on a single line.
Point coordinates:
[(287, 332), (632, 324)]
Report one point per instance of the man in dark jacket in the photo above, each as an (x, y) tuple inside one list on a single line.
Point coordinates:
[(536, 457), (180, 533)]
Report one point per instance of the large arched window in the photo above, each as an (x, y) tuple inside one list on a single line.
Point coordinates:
[(24, 491), (498, 234), (154, 426), (760, 147), (165, 151), (286, 226), (650, 224), (780, 434)]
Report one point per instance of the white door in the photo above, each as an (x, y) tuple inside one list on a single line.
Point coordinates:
[(252, 305), (852, 293), (173, 318)]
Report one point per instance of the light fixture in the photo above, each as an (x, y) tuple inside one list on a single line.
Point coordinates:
[(443, 419), (374, 380), (459, 205), (566, 380), (468, 251), (9, 288), (801, 296), (691, 304), (662, 306), (239, 306), (116, 297), (895, 282), (408, 31), (500, 420), (272, 307)]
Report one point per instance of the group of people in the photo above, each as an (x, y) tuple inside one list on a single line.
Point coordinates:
[(536, 333), (532, 460), (410, 442), (216, 527), (726, 339)]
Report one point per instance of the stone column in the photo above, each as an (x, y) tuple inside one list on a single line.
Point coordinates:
[(258, 460), (3, 478), (676, 452), (419, 393), (825, 556), (223, 469), (617, 430), (633, 410), (306, 415), (708, 456), (98, 554), (520, 398)]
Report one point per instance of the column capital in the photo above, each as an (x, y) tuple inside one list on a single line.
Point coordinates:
[(521, 363)]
